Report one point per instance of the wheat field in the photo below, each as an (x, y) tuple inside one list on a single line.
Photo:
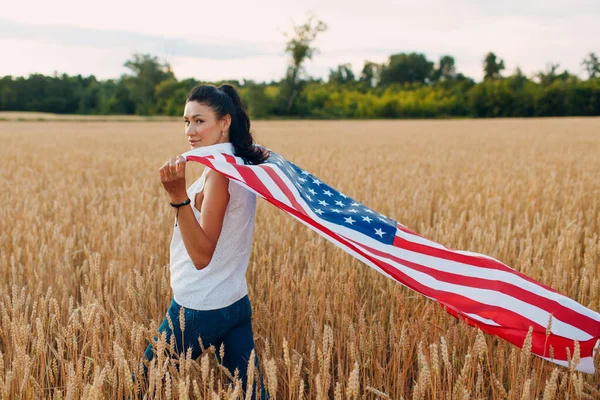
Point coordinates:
[(85, 227)]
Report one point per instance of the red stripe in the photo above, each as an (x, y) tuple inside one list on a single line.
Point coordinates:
[(283, 187), (203, 160), (539, 344), (448, 254), (229, 158), (560, 312)]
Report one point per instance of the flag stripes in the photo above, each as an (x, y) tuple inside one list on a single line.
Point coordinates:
[(474, 287)]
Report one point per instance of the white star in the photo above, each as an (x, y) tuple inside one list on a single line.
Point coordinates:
[(328, 193), (304, 173), (317, 182), (319, 211), (383, 219), (369, 211), (335, 210), (343, 195), (379, 232), (367, 219), (309, 198), (312, 191), (355, 204), (339, 203), (349, 220), (323, 203), (302, 179), (353, 210)]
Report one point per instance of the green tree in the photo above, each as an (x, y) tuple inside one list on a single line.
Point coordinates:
[(146, 73), (492, 66), (343, 74), (370, 74), (407, 68), (591, 65), (299, 46), (446, 70), (548, 77), (120, 101), (260, 105)]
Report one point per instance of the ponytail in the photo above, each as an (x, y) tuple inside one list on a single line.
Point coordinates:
[(226, 100)]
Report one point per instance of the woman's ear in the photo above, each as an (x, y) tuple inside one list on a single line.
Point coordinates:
[(226, 122)]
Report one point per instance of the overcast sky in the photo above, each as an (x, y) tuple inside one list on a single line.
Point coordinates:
[(213, 40)]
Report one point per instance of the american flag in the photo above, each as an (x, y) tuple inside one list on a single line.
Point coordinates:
[(474, 287)]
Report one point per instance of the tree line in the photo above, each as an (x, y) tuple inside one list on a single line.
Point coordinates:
[(407, 85)]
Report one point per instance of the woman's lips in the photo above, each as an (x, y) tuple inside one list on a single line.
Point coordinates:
[(193, 142)]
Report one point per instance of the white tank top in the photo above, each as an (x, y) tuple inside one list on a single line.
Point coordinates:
[(223, 281)]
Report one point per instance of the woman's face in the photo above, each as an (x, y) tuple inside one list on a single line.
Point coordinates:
[(201, 126)]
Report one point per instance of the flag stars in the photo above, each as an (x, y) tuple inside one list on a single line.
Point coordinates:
[(326, 203), (379, 232)]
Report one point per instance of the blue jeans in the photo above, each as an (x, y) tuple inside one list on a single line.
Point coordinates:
[(230, 326)]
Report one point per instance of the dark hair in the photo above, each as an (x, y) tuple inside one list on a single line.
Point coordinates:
[(225, 100)]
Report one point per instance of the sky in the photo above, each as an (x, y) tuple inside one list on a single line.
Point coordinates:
[(220, 40)]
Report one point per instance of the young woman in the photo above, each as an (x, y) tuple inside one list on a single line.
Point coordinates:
[(212, 234)]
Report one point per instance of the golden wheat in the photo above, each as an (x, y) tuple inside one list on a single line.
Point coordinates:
[(84, 278)]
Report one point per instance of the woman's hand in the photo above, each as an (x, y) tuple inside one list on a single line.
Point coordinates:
[(172, 177)]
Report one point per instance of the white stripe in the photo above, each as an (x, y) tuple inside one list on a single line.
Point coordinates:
[(455, 267), (481, 319), (585, 365), (471, 253), (419, 240), (223, 166), (264, 177), (492, 298)]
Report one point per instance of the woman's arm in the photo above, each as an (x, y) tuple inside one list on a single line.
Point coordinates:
[(200, 240)]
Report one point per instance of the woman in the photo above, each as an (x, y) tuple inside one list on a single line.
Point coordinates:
[(212, 234)]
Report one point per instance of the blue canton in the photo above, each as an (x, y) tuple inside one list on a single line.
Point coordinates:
[(335, 207)]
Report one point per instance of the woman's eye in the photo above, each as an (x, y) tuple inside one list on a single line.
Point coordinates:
[(198, 121)]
